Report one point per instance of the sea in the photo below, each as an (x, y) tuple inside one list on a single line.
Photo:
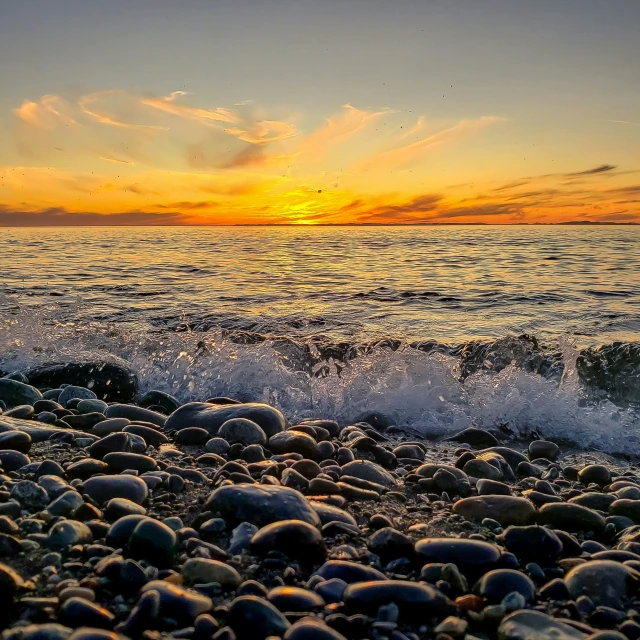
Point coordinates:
[(437, 327)]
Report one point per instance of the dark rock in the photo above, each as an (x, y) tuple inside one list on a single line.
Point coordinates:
[(328, 513), (10, 582), (376, 419), (161, 399), (535, 625), (154, 542), (13, 460), (30, 495), (119, 462), (349, 572), (472, 557), (605, 582), (253, 618), (294, 599), (416, 602), (78, 612), (192, 436), (597, 473), (92, 406), (389, 544), (504, 509), (14, 393), (204, 571), (369, 471), (312, 629), (104, 488), (294, 538), (135, 414), (86, 468), (121, 530), (571, 517), (24, 412), (475, 437), (184, 605), (243, 431), (112, 443), (67, 533), (212, 416), (110, 382), (118, 508), (499, 583), (293, 442), (532, 544), (544, 449), (593, 500), (260, 505), (487, 487), (152, 437)]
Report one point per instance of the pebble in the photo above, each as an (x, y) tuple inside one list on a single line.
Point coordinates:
[(496, 585), (605, 582), (104, 488), (203, 570), (185, 605), (295, 538), (535, 625), (253, 618), (243, 431), (506, 510), (571, 517), (154, 542), (67, 533), (15, 441)]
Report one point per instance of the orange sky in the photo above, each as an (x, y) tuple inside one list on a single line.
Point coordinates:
[(113, 157)]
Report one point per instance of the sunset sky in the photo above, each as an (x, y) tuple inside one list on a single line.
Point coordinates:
[(350, 111)]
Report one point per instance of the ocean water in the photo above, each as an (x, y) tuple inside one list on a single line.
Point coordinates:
[(418, 322)]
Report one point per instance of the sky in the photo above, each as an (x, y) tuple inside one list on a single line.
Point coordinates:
[(135, 112)]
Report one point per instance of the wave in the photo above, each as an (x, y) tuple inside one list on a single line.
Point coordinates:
[(428, 388)]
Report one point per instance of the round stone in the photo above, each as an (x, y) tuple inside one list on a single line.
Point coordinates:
[(370, 471), (472, 557), (543, 449), (532, 544), (596, 473), (70, 392), (243, 431), (606, 582), (312, 629), (204, 571), (192, 436), (294, 599), (535, 625), (13, 460), (184, 605), (349, 572), (253, 618), (120, 461), (154, 542), (294, 442), (114, 442), (571, 517), (104, 488), (504, 509), (67, 533), (295, 538), (15, 441), (496, 585)]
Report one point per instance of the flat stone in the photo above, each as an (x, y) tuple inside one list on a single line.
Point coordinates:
[(15, 441), (504, 509), (136, 414), (260, 505), (14, 393), (370, 471), (253, 618), (154, 542), (104, 488), (121, 461), (571, 517), (349, 572), (68, 533), (204, 571), (496, 585), (543, 449), (212, 416), (534, 625), (73, 391), (472, 557), (184, 605), (243, 431), (294, 538)]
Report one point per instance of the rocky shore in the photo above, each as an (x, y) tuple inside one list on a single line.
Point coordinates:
[(138, 516)]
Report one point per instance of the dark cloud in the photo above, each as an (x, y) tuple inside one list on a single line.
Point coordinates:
[(620, 216), (603, 168), (252, 156), (187, 205), (481, 211), (407, 211), (61, 217)]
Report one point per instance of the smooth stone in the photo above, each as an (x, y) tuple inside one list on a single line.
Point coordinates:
[(571, 518), (121, 461), (477, 468), (68, 533), (329, 513), (104, 488), (472, 557), (136, 414), (47, 631), (84, 469), (415, 601), (506, 510), (24, 412), (30, 495), (15, 441), (92, 406), (543, 449), (84, 421), (627, 508), (243, 431), (475, 437), (295, 599), (192, 436), (78, 612), (152, 437), (13, 460), (411, 451), (120, 531), (606, 582), (10, 582), (429, 470), (204, 571), (260, 505), (293, 442), (312, 629), (534, 625), (532, 544), (110, 425), (253, 618), (370, 471), (349, 572), (492, 488), (499, 583), (178, 603), (118, 508), (14, 393), (217, 445), (66, 504), (154, 542), (596, 473), (513, 457), (212, 416), (74, 392), (110, 381), (159, 399), (115, 442), (389, 544), (593, 500), (294, 538)]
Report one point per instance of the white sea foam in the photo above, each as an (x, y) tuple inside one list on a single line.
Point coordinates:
[(421, 391)]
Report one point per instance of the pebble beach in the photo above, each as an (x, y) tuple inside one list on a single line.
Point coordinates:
[(132, 515)]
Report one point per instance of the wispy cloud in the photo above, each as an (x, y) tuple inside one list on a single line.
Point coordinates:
[(49, 111), (116, 160), (603, 168), (170, 105), (89, 105)]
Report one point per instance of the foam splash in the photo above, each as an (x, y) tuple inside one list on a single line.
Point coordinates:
[(422, 391)]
